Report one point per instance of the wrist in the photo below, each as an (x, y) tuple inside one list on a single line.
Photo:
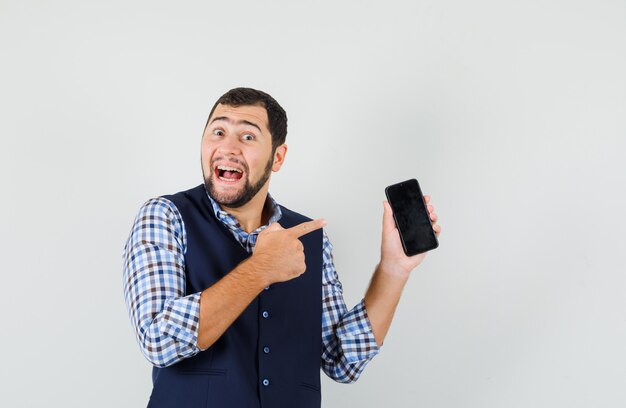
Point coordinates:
[(393, 269), (258, 268)]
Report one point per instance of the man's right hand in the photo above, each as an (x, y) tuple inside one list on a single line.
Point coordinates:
[(279, 254)]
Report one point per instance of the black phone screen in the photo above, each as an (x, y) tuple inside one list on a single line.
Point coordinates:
[(411, 216)]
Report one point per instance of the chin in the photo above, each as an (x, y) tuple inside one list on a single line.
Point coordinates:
[(231, 198)]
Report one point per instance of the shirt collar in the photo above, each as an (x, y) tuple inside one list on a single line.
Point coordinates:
[(231, 222)]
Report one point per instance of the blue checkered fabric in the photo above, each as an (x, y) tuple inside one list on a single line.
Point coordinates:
[(166, 321)]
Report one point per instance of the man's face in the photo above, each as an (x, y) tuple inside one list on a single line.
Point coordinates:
[(236, 154)]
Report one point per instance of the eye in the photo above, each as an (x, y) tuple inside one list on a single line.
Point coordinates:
[(218, 132), (248, 136)]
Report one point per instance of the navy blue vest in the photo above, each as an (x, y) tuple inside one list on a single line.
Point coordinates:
[(270, 356)]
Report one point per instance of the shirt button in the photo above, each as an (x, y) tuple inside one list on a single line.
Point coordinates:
[(265, 314), (267, 288), (266, 350), (266, 382)]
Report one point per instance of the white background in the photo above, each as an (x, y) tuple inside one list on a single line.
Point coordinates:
[(512, 114)]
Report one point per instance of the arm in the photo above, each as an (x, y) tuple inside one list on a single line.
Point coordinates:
[(348, 342), (351, 339), (164, 319), (391, 274), (171, 326), (224, 301)]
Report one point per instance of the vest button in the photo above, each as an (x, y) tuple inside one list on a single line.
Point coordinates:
[(266, 350), (266, 382), (265, 314)]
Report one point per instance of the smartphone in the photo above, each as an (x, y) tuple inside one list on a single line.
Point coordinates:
[(411, 216)]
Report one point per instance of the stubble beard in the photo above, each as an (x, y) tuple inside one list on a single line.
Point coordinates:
[(246, 194)]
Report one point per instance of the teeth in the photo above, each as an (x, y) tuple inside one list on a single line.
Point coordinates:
[(229, 169), (228, 179)]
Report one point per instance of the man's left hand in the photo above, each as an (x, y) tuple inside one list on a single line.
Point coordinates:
[(393, 259)]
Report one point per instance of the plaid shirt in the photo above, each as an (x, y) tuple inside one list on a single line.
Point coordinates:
[(166, 320)]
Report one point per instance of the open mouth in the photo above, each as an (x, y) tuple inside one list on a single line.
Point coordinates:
[(228, 173)]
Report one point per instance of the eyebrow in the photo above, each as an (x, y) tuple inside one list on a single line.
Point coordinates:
[(245, 122)]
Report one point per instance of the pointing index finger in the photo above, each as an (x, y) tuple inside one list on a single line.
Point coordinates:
[(306, 227)]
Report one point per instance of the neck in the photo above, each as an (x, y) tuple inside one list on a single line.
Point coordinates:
[(253, 214)]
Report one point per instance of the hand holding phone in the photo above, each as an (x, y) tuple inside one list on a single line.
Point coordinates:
[(411, 216)]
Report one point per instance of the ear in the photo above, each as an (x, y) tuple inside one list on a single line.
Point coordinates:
[(279, 157)]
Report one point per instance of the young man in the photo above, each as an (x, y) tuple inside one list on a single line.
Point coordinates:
[(233, 297)]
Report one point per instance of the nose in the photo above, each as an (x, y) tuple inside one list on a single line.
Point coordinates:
[(229, 146)]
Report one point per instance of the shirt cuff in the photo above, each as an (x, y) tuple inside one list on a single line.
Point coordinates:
[(356, 336)]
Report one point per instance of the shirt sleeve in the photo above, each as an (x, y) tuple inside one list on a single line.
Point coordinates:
[(348, 342), (165, 320)]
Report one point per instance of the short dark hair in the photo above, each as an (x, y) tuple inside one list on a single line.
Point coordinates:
[(276, 115)]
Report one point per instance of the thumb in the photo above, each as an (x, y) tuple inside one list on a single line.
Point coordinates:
[(388, 222)]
